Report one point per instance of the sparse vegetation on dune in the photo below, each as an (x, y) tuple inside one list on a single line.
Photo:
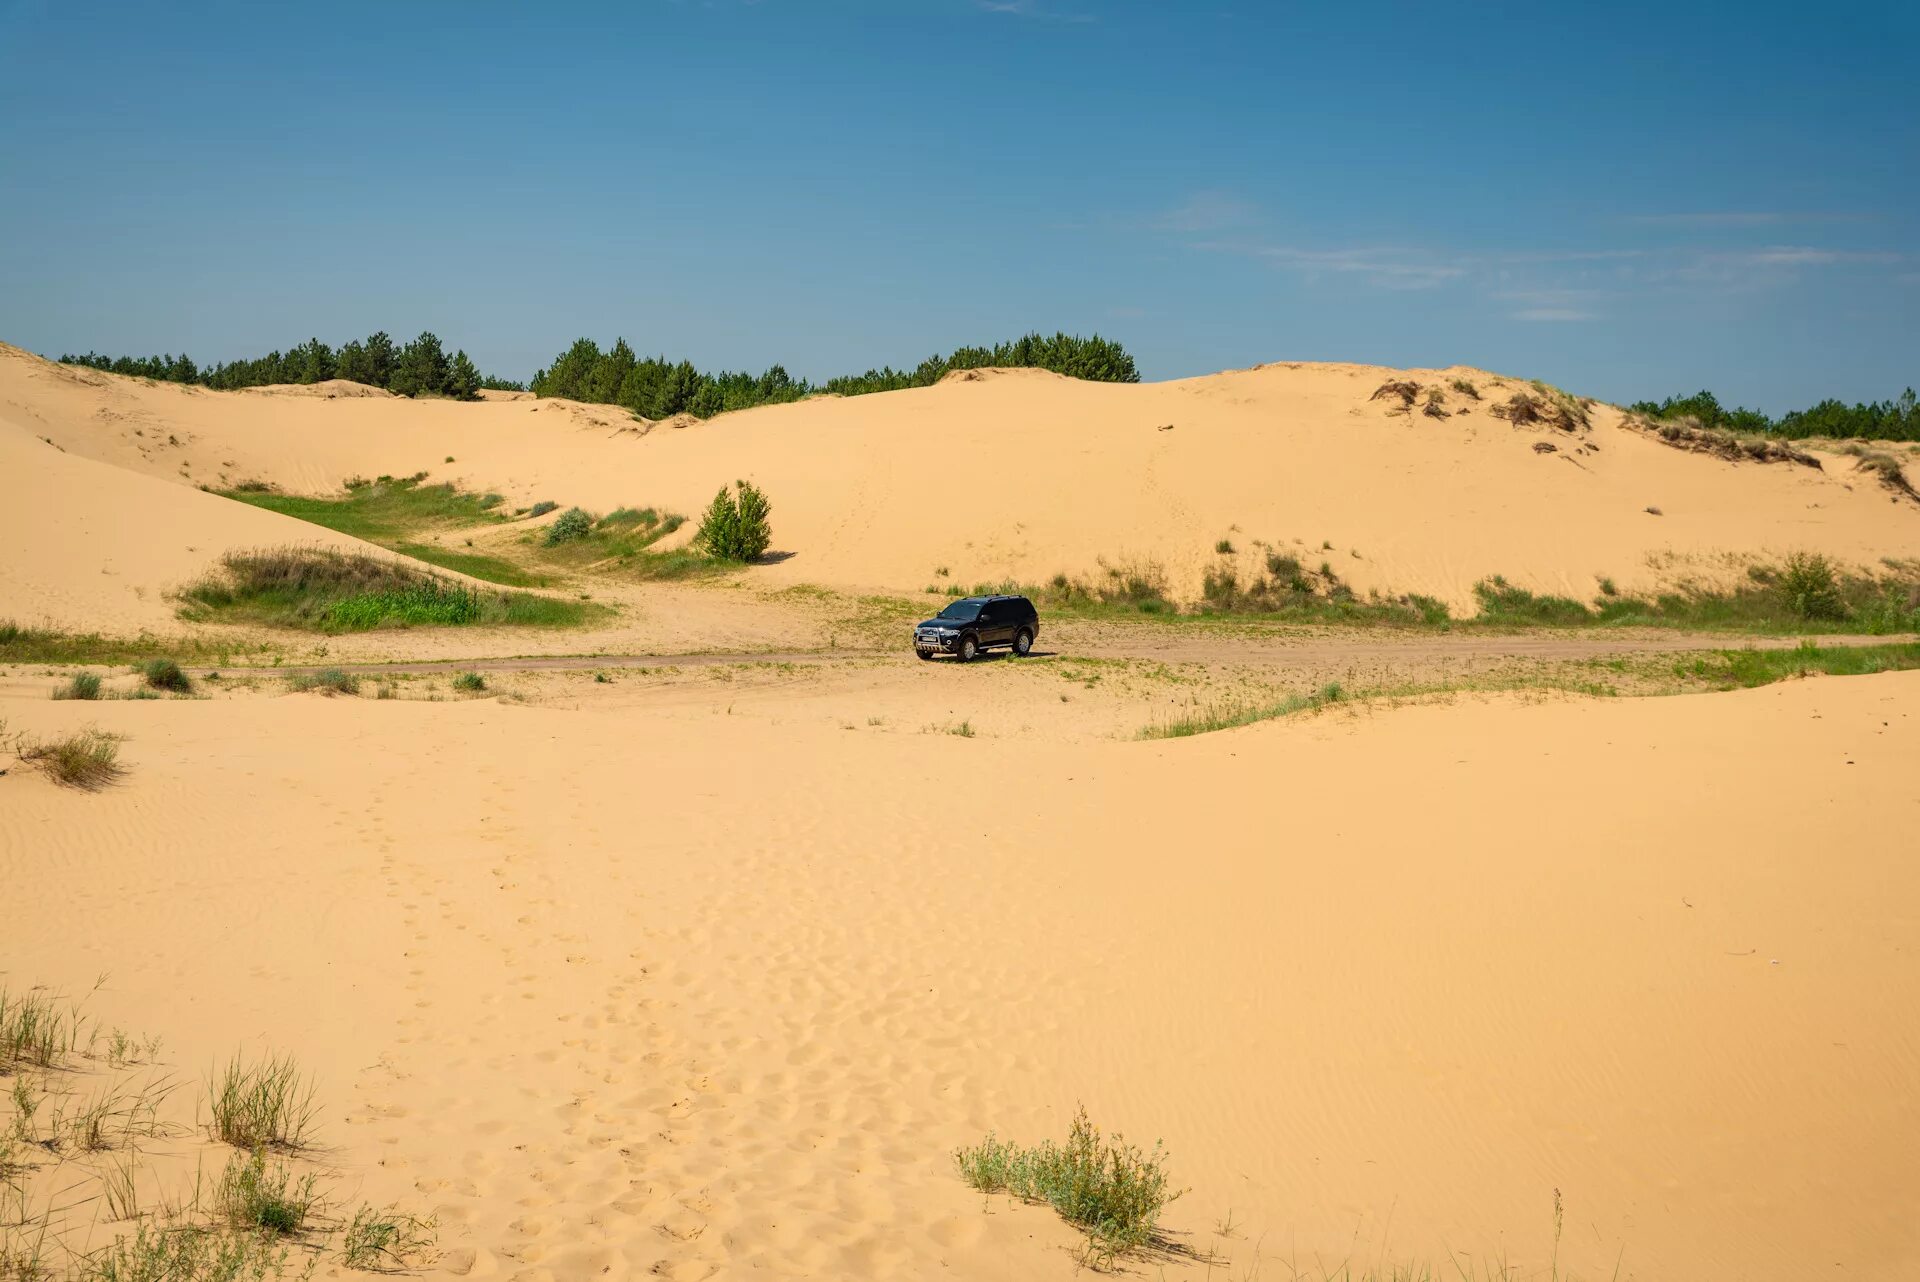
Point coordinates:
[(327, 591), (326, 681), (382, 511), (86, 759), (263, 1218), (1228, 716), (1111, 1190), (22, 644)]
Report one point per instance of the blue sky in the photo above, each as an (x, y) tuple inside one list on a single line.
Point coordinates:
[(1627, 199)]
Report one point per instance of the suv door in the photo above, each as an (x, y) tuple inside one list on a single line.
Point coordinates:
[(991, 627)]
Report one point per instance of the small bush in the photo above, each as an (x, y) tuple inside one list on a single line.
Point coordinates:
[(470, 682), (328, 681), (735, 527), (541, 508), (1224, 547), (81, 685), (269, 1105), (570, 526), (165, 674), (260, 1195), (1811, 587), (1465, 387), (88, 760), (1113, 1190)]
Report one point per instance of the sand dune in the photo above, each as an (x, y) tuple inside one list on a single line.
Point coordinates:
[(92, 547), (1022, 474), (633, 1007)]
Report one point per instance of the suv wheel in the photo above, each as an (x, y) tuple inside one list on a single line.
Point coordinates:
[(925, 654), (1022, 641), (969, 646)]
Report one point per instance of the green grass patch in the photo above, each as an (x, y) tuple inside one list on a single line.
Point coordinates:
[(1228, 716), (622, 541), (1111, 1190), (380, 511), (1744, 669), (327, 591), (475, 565), (20, 644)]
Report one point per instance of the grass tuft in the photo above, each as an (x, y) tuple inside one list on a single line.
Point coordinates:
[(327, 681), (384, 1239), (1229, 716), (259, 1194), (81, 685), (87, 759), (470, 682), (1112, 1190), (266, 1105)]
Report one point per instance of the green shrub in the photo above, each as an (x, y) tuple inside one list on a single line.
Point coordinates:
[(260, 1195), (165, 674), (570, 526), (81, 685), (330, 681), (1811, 587), (541, 508), (735, 526), (1112, 1190), (470, 682)]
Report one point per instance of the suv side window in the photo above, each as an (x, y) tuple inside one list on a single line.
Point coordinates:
[(1023, 610), (990, 613)]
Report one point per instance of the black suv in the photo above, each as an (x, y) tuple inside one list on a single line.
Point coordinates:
[(976, 623)]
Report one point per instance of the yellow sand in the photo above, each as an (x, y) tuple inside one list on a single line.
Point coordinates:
[(617, 995), (1023, 474)]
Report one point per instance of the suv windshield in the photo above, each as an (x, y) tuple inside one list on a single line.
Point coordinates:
[(961, 612)]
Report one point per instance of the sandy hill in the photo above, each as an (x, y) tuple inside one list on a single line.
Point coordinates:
[(94, 547), (1022, 474)]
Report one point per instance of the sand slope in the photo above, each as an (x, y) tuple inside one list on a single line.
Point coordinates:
[(92, 547), (625, 1007), (1021, 474)]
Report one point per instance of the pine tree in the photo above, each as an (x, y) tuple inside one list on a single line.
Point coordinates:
[(463, 380)]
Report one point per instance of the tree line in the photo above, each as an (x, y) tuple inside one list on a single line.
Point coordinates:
[(1894, 420), (419, 368), (654, 387)]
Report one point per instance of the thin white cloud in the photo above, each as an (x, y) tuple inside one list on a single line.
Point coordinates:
[(1389, 268), (1743, 218), (1029, 9), (1206, 211)]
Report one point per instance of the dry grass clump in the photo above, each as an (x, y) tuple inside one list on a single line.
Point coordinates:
[(1885, 468), (1548, 406), (1112, 1190), (86, 759), (1466, 388), (384, 1239), (1435, 404), (1688, 434), (1404, 390)]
